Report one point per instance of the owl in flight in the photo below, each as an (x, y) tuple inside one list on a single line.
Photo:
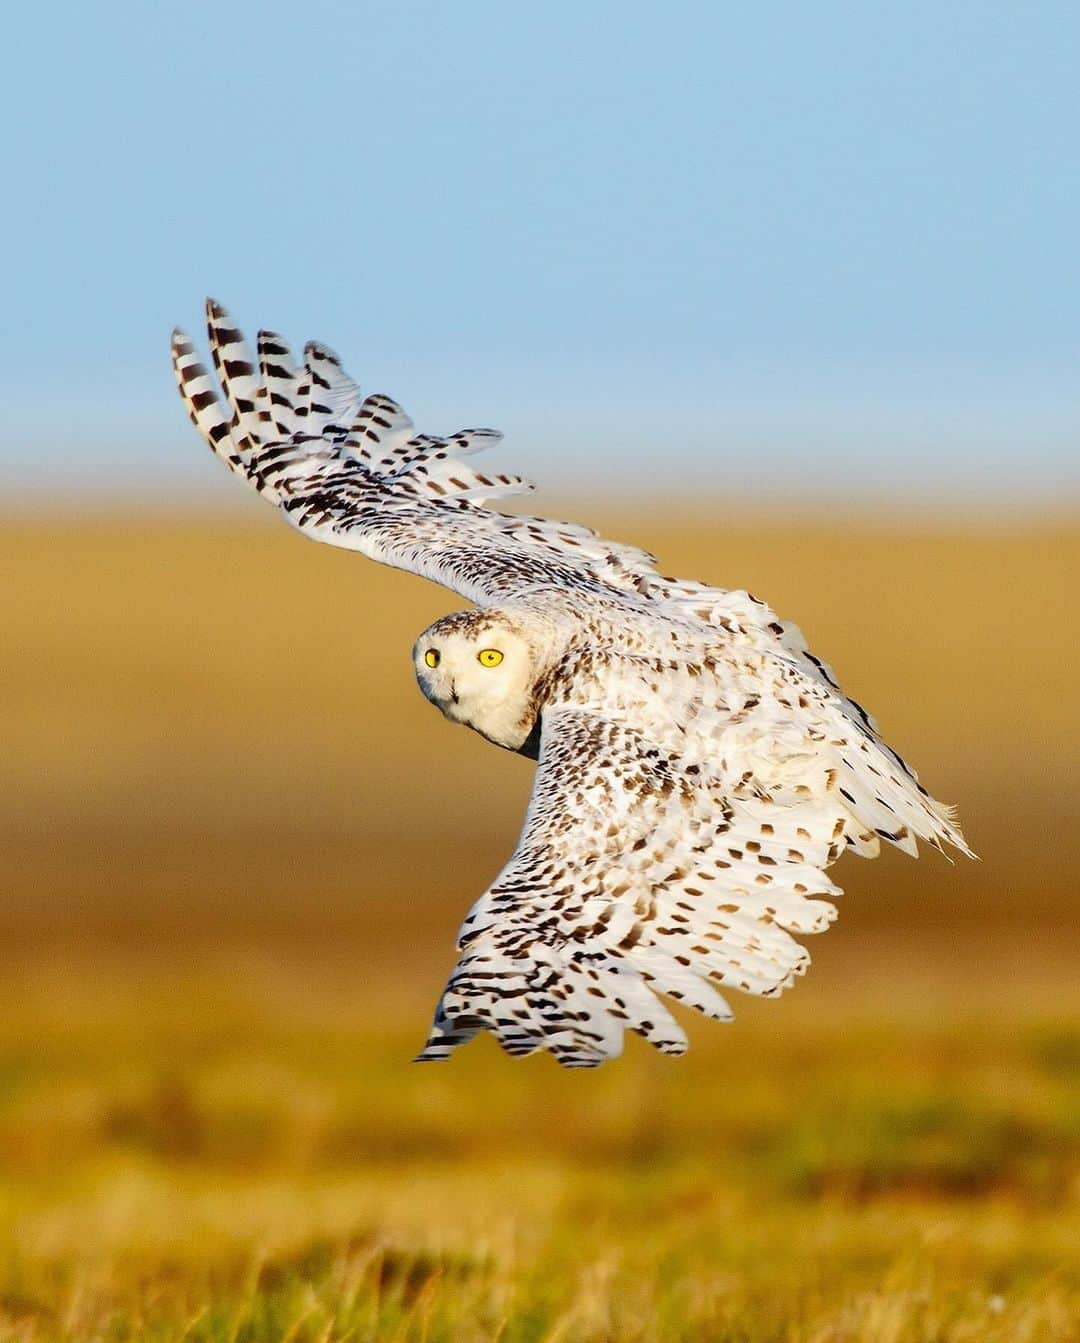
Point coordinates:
[(698, 768)]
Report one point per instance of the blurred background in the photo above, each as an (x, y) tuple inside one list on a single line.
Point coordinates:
[(787, 296)]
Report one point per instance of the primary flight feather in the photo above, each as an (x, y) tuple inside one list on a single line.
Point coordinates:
[(698, 768)]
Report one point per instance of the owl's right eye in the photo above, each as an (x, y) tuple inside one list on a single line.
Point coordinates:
[(431, 657)]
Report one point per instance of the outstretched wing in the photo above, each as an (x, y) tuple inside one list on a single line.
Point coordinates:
[(641, 871), (352, 471)]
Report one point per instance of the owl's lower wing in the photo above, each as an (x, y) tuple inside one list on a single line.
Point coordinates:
[(638, 874), (352, 472)]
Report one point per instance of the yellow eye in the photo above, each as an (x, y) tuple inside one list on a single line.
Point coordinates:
[(431, 657), (489, 657)]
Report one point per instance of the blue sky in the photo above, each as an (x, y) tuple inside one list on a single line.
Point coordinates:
[(782, 249)]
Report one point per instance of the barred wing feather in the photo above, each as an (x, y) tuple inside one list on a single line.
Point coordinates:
[(638, 873), (353, 473)]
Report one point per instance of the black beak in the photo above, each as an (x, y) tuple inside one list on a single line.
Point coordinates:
[(453, 693)]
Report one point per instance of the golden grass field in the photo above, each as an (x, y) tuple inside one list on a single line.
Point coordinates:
[(237, 846)]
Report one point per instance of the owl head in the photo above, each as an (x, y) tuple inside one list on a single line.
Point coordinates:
[(480, 668)]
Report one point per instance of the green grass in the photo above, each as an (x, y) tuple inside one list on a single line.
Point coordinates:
[(199, 1155)]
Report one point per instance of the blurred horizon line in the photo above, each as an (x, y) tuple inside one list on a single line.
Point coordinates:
[(921, 506)]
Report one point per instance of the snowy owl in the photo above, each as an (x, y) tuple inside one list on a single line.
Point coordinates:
[(698, 768)]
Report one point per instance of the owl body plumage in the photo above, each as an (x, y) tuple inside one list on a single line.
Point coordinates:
[(698, 769)]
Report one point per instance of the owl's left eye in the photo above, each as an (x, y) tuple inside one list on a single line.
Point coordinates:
[(431, 657), (489, 657)]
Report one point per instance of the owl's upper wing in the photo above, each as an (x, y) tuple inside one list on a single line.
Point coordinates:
[(352, 471), (642, 872)]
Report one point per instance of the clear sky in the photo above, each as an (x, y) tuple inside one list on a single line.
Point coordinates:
[(783, 247)]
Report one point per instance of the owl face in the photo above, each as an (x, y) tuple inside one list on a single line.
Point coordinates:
[(479, 668)]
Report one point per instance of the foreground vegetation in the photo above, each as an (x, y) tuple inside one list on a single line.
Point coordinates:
[(238, 1154)]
